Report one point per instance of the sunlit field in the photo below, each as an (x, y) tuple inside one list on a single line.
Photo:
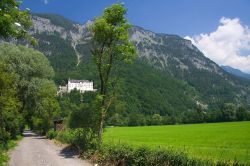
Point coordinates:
[(215, 141)]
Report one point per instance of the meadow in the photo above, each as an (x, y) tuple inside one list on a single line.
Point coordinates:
[(214, 141)]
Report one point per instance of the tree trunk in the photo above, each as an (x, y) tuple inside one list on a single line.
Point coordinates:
[(102, 108), (101, 126), (1, 119)]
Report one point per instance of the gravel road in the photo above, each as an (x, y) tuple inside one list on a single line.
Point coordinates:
[(34, 150)]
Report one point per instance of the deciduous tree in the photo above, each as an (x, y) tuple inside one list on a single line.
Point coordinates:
[(111, 46), (14, 23), (34, 89)]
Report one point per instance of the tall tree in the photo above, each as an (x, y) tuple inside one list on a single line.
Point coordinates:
[(9, 104), (14, 23), (111, 46), (42, 103), (33, 75)]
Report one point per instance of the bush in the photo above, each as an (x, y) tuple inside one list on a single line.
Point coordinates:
[(41, 124), (125, 155), (4, 150), (51, 134), (3, 158), (4, 137), (82, 138)]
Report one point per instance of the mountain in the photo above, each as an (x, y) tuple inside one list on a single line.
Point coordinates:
[(236, 72), (182, 60), (169, 76)]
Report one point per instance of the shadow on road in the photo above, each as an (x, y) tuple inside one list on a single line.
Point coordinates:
[(69, 152), (39, 137), (29, 133)]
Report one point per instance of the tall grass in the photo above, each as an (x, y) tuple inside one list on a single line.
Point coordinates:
[(4, 150)]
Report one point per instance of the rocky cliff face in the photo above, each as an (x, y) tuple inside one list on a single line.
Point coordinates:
[(161, 50), (164, 50), (173, 55)]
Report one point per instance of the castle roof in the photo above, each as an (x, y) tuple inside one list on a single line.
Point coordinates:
[(78, 81)]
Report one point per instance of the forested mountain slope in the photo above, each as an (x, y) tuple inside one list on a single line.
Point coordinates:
[(169, 76), (236, 72)]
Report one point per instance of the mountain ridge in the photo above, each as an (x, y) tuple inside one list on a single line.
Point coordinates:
[(236, 72), (176, 58)]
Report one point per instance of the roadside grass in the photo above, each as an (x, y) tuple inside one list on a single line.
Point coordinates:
[(4, 156), (214, 141)]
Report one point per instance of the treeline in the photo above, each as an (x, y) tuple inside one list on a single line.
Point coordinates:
[(27, 91), (74, 108), (228, 113)]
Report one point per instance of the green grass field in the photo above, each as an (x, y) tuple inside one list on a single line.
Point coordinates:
[(215, 141)]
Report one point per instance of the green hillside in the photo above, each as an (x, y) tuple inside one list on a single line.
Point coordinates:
[(170, 77), (142, 89)]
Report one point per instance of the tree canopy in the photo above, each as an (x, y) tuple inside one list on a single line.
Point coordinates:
[(27, 90), (111, 47), (14, 23)]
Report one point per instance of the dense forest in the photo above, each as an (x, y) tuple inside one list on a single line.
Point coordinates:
[(144, 92)]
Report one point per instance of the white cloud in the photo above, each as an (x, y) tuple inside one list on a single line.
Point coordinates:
[(227, 44), (45, 2)]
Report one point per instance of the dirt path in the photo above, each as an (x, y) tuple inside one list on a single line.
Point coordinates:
[(34, 150)]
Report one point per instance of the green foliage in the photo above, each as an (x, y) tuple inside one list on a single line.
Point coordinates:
[(14, 22), (242, 114), (41, 125), (156, 119), (215, 141), (4, 157), (52, 134), (62, 54), (78, 109), (13, 123), (122, 154), (152, 93), (31, 89), (136, 120), (152, 85), (229, 112), (10, 118), (111, 47), (146, 88), (111, 42), (82, 138), (4, 137), (42, 103), (81, 117), (69, 103)]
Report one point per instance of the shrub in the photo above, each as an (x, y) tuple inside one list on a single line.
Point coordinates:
[(3, 158), (125, 155), (65, 136), (51, 134), (4, 137), (41, 125), (82, 138), (4, 150)]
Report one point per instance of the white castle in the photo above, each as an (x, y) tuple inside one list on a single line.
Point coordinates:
[(81, 85)]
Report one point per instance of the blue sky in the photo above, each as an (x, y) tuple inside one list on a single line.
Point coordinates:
[(182, 17), (215, 23)]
